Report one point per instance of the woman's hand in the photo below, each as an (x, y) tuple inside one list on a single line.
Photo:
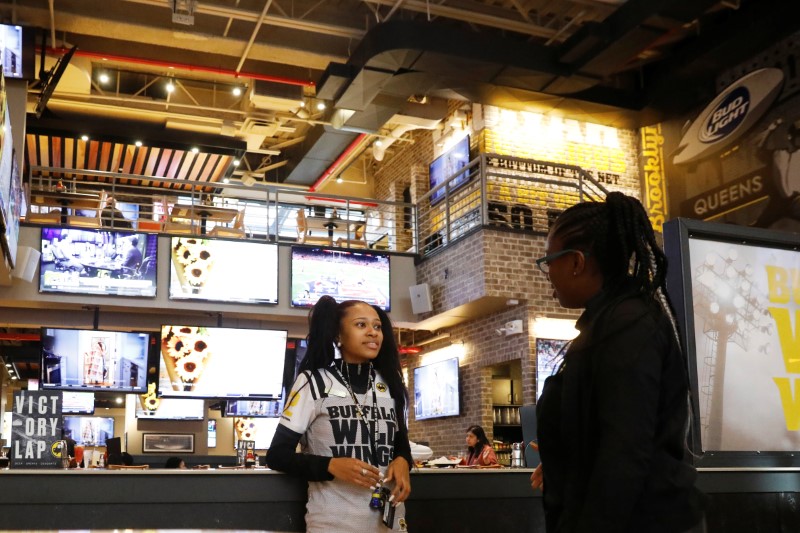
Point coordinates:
[(537, 478), (355, 471), (398, 472)]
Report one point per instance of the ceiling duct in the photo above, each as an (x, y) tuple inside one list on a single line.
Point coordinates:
[(275, 96)]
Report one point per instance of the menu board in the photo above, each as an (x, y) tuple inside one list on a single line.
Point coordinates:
[(36, 429)]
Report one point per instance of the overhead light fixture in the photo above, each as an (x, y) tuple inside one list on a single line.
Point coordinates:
[(138, 144), (226, 180), (339, 179), (378, 143), (195, 149), (237, 91), (321, 106), (103, 78), (119, 399), (236, 162), (84, 137), (302, 103), (170, 87)]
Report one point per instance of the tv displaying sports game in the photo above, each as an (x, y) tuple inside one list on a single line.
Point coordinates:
[(89, 430), (342, 274), (235, 363), (154, 408), (221, 270), (260, 430), (94, 360), (448, 164), (253, 408), (98, 262), (735, 293), (78, 403), (436, 390)]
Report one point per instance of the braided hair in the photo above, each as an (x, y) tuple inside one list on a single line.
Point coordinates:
[(323, 330), (618, 234)]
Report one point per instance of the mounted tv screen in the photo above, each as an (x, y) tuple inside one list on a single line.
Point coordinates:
[(253, 408), (342, 274), (89, 430), (260, 430), (549, 354), (448, 164), (92, 360), (98, 262), (202, 362), (170, 408), (77, 403), (17, 51), (220, 270), (436, 390), (736, 291)]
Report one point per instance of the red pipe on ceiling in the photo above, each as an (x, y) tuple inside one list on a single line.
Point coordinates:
[(339, 160), (193, 68), (31, 337)]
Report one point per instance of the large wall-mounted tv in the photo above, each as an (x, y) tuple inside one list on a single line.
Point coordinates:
[(549, 354), (89, 430), (204, 362), (448, 164), (253, 408), (436, 390), (342, 274), (260, 430), (220, 270), (736, 291), (170, 408), (77, 403), (93, 360), (17, 51), (98, 262)]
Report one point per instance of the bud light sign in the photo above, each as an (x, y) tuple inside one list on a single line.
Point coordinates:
[(727, 116)]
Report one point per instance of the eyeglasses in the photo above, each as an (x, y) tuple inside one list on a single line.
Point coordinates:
[(544, 262)]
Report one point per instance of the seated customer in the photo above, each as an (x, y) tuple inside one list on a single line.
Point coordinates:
[(120, 459), (175, 462), (112, 217), (481, 452)]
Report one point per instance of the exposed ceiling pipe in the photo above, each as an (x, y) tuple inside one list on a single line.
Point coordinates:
[(253, 36), (52, 23), (338, 162), (380, 145), (20, 337), (183, 66)]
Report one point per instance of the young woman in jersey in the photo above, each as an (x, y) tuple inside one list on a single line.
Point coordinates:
[(347, 410), (612, 421)]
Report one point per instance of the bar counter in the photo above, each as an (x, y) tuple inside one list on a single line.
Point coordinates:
[(442, 500)]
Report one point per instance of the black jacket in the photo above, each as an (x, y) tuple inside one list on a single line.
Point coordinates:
[(612, 427)]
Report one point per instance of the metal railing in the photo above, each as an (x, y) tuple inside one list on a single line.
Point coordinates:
[(501, 192)]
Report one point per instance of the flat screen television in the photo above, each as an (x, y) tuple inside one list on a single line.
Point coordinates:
[(436, 390), (77, 403), (260, 430), (342, 274), (736, 291), (448, 164), (89, 430), (170, 408), (549, 354), (93, 360), (253, 408), (225, 363), (17, 51), (98, 262), (221, 270)]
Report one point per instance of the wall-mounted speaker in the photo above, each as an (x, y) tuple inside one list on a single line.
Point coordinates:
[(420, 299), (27, 261)]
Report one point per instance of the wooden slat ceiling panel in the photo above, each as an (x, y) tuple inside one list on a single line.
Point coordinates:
[(71, 153)]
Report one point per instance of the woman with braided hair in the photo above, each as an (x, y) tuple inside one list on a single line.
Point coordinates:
[(612, 420), (347, 410)]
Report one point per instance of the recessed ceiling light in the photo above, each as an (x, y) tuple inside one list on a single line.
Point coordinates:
[(236, 162), (226, 180), (321, 106), (103, 78), (138, 143), (237, 91), (195, 149), (8, 365), (14, 377), (170, 87), (338, 180), (379, 143), (302, 103), (84, 137), (119, 399)]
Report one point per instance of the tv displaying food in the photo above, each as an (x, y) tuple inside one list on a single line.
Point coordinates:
[(222, 270), (78, 403), (89, 430), (94, 360), (436, 390), (448, 164), (260, 430), (253, 408), (210, 362), (98, 262), (342, 274), (170, 408)]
